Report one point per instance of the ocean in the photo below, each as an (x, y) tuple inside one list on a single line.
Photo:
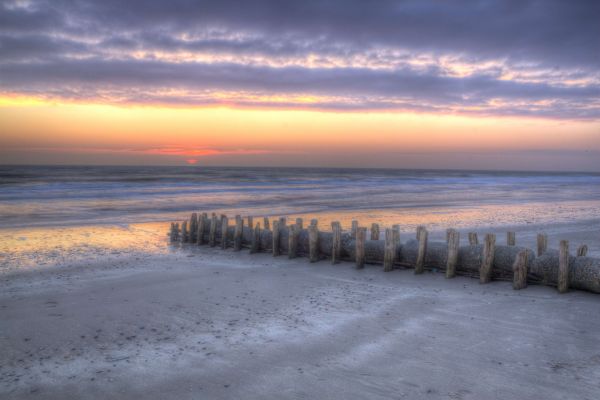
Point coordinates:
[(57, 195), (105, 207)]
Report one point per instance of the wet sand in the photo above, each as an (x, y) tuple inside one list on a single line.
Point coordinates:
[(202, 323)]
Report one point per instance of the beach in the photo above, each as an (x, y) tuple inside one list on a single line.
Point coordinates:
[(328, 200), (108, 308), (200, 322)]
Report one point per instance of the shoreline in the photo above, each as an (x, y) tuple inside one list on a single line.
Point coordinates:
[(40, 247), (204, 322)]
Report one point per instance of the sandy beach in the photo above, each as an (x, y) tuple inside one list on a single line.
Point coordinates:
[(95, 303), (197, 322), (277, 199)]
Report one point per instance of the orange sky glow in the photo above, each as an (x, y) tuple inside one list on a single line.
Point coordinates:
[(50, 131), (407, 85)]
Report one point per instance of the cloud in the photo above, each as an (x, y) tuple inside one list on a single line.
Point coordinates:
[(533, 58), (168, 151), (200, 152)]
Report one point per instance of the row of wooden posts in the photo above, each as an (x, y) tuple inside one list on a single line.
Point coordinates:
[(192, 231)]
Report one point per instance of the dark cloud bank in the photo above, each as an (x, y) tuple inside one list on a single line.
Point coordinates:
[(539, 58)]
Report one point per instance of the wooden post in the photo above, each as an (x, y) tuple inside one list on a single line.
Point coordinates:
[(177, 231), (294, 231), (172, 232), (313, 242), (389, 252), (542, 243), (448, 233), (419, 229), (299, 223), (282, 222), (361, 237), (314, 222), (212, 234), (336, 246), (489, 248), (276, 232), (250, 221), (374, 231), (266, 223), (563, 267), (582, 250), (184, 232), (237, 234), (201, 227), (453, 246), (520, 271), (396, 237), (473, 238), (224, 225), (420, 264), (510, 239), (255, 246), (354, 228), (193, 227)]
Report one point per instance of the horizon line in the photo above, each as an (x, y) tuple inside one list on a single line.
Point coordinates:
[(196, 166)]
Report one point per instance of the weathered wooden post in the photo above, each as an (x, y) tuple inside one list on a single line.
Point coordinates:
[(313, 242), (563, 267), (314, 222), (276, 232), (172, 232), (453, 246), (282, 222), (250, 221), (361, 237), (224, 225), (374, 231), (212, 234), (396, 238), (582, 250), (389, 251), (419, 229), (294, 231), (177, 232), (473, 238), (520, 270), (353, 229), (510, 239), (448, 232), (336, 246), (237, 233), (193, 227), (184, 232), (422, 251), (255, 245), (489, 248), (300, 223), (266, 223), (201, 227), (542, 243)]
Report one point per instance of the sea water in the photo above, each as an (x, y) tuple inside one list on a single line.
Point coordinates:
[(44, 200)]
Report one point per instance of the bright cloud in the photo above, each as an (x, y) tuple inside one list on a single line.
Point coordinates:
[(527, 58)]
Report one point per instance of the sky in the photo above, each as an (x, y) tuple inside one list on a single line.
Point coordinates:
[(339, 83)]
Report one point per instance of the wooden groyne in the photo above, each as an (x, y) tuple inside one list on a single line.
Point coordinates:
[(487, 261)]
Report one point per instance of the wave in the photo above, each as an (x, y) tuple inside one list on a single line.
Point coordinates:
[(59, 195)]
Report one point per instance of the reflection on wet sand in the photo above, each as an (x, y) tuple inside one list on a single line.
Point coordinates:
[(32, 247)]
